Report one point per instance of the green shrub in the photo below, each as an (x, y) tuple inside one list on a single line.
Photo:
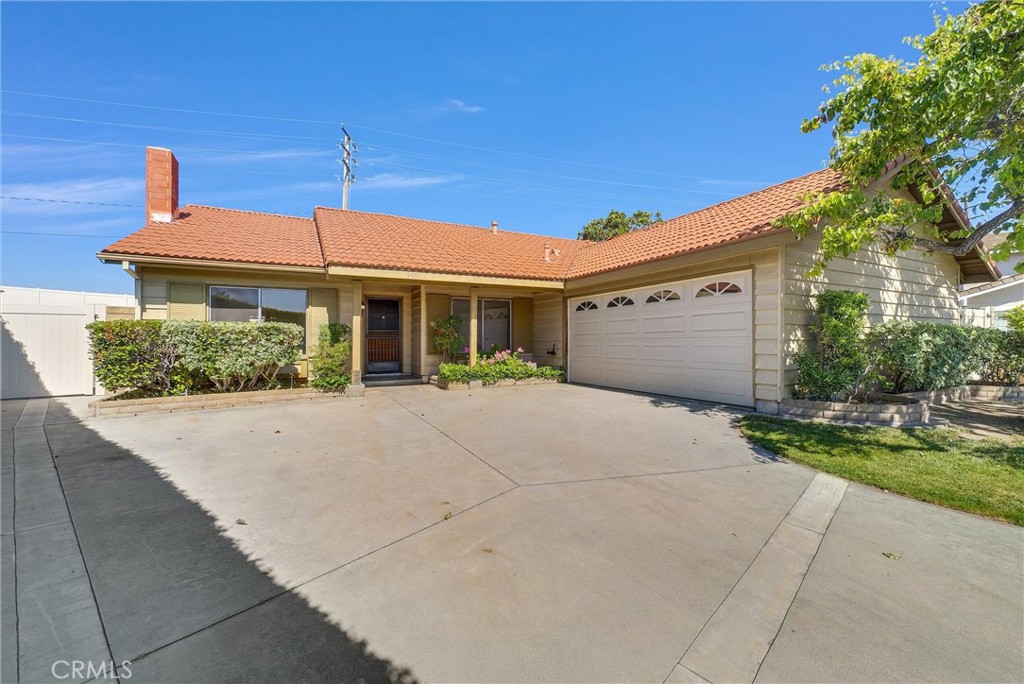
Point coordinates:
[(834, 370), (1001, 356), (328, 364), (501, 365), (1014, 318), (909, 356), (130, 355), (234, 356), (455, 372)]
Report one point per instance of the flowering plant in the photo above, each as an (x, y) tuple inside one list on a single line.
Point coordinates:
[(446, 337)]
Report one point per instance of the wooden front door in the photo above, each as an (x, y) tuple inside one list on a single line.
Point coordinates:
[(382, 336)]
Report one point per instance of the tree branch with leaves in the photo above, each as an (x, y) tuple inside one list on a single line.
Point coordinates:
[(954, 118)]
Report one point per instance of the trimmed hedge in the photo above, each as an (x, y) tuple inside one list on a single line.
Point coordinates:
[(130, 354), (899, 356), (328, 364), (174, 357), (908, 356)]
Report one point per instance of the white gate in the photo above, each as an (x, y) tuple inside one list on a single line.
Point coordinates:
[(44, 347)]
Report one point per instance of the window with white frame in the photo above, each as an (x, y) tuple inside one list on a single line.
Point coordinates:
[(494, 322)]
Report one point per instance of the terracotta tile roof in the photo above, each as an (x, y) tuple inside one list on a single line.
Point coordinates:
[(355, 238), (737, 219), (382, 241), (231, 235)]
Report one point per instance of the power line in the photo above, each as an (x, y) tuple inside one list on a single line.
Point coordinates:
[(64, 201), (367, 128)]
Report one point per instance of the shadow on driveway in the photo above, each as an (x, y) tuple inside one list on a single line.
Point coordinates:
[(176, 597)]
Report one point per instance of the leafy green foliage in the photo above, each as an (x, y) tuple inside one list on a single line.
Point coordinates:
[(956, 113), (502, 365), (445, 333), (909, 356), (130, 354), (617, 223), (939, 466), (1001, 356), (833, 371), (328, 364), (234, 356), (1015, 318)]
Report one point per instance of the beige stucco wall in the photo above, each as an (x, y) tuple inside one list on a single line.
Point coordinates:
[(913, 285)]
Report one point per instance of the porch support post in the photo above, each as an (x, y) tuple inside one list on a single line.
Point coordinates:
[(357, 333), (420, 362), (473, 325)]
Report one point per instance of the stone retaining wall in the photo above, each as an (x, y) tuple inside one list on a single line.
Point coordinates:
[(915, 412), (906, 409), (196, 402)]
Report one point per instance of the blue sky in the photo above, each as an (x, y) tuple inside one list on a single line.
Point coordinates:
[(541, 116)]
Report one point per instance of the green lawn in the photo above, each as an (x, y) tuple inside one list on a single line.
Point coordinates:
[(939, 466)]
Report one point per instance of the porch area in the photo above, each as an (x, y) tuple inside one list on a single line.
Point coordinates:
[(392, 333)]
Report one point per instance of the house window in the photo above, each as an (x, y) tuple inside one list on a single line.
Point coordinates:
[(620, 301), (586, 306), (720, 288), (494, 322), (663, 296), (272, 305)]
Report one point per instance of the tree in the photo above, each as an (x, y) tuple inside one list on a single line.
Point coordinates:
[(954, 119), (617, 223)]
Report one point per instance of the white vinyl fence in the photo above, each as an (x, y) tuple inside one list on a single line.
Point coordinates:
[(44, 349)]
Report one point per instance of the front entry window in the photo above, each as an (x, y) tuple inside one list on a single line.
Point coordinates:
[(494, 322)]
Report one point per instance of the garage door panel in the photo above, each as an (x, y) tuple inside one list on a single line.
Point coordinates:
[(664, 352), (587, 327), (658, 324), (721, 321), (698, 347), (620, 326), (620, 351)]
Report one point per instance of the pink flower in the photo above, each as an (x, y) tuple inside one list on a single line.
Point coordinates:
[(519, 350), (465, 350)]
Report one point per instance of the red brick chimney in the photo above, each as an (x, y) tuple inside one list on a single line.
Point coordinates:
[(161, 185)]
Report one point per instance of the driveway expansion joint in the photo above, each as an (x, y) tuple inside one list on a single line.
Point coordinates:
[(735, 640)]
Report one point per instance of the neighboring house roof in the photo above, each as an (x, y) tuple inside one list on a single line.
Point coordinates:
[(1003, 282), (737, 219), (214, 234), (362, 239)]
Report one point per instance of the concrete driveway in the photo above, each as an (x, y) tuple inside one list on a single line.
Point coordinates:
[(545, 533)]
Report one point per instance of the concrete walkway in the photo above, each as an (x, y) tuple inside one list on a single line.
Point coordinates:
[(548, 533)]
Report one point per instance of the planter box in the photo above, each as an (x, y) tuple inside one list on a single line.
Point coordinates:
[(477, 384), (198, 402)]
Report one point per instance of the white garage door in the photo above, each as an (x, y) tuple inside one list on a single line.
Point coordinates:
[(690, 338)]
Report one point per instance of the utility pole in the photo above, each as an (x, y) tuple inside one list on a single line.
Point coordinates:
[(348, 162)]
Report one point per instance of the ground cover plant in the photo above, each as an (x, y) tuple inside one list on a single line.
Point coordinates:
[(497, 365)]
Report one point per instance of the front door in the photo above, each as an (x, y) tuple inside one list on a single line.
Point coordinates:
[(382, 336)]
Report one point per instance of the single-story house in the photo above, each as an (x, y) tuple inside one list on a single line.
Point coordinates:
[(710, 305)]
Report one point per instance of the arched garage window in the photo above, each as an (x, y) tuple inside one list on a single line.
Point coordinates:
[(662, 296), (620, 301), (719, 288), (586, 306)]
